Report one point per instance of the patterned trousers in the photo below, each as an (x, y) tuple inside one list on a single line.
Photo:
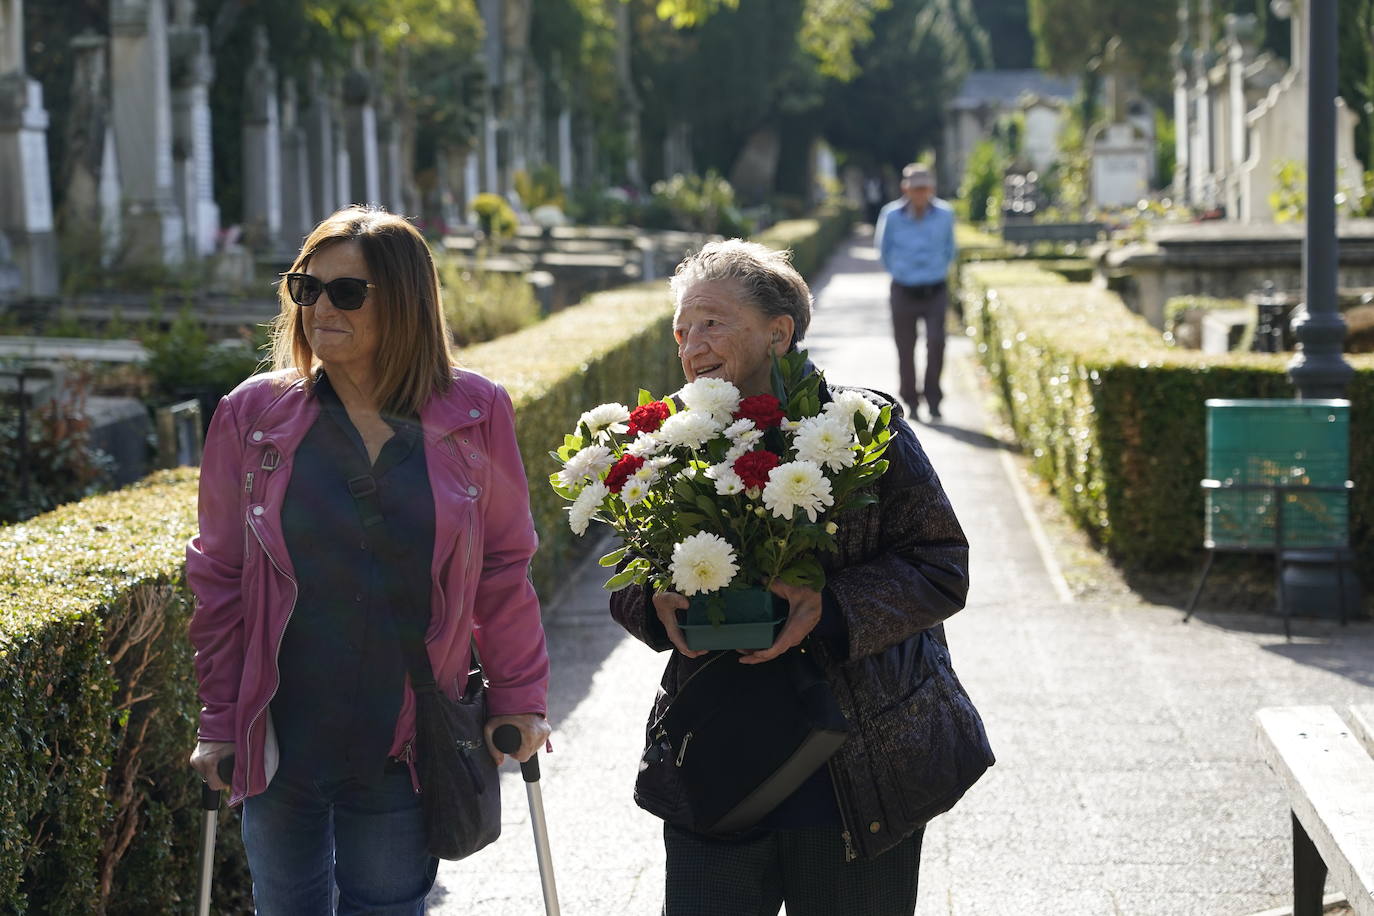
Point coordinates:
[(805, 868)]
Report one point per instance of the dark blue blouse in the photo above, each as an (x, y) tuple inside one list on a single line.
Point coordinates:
[(342, 670)]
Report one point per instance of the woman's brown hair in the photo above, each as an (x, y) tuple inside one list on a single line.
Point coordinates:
[(413, 361)]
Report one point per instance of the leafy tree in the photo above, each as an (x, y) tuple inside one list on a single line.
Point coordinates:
[(1008, 27), (1071, 36), (894, 107)]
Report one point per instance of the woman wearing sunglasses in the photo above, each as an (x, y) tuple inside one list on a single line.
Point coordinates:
[(301, 610)]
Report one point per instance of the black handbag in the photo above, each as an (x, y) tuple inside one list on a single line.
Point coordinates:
[(460, 788), (737, 740)]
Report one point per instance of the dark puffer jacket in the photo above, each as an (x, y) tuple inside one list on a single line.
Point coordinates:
[(901, 569)]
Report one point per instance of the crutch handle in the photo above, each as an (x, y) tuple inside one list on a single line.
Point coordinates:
[(209, 798), (507, 740)]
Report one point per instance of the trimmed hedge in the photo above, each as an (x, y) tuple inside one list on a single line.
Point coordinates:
[(98, 808), (812, 239), (99, 811), (1115, 421)]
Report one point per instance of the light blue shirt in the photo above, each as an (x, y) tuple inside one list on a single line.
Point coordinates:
[(917, 252)]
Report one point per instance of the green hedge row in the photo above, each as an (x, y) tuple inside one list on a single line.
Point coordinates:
[(1115, 420), (98, 809), (814, 238)]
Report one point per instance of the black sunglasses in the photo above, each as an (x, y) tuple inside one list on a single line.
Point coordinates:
[(346, 293)]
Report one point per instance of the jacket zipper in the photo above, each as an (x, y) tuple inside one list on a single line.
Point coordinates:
[(849, 854), (276, 655)]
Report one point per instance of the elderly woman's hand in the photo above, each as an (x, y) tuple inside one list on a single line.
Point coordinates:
[(534, 734), (667, 605), (205, 761), (804, 612)]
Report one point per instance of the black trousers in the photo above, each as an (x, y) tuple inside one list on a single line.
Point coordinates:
[(805, 868), (907, 308)]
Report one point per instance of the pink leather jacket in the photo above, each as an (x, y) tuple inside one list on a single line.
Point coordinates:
[(241, 574)]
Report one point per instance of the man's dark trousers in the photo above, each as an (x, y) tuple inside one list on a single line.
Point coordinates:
[(927, 304)]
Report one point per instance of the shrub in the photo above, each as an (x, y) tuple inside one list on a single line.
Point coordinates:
[(98, 809), (812, 240), (539, 188), (482, 306), (60, 463), (184, 362), (982, 185), (495, 216), (1115, 421), (696, 203)]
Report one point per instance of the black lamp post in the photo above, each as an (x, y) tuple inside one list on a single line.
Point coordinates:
[(1319, 369)]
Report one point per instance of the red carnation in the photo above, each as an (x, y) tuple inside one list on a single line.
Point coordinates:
[(648, 417), (764, 409), (621, 472), (753, 467)]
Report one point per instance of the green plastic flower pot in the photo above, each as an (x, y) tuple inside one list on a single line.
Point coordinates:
[(745, 618)]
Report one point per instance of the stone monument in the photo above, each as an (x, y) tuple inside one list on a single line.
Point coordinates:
[(360, 118), (139, 78), (90, 213), (262, 219), (343, 164), (193, 71), (1121, 150), (298, 210), (26, 217), (318, 124)]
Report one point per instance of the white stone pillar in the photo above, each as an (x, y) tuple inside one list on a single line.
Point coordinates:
[(318, 121), (142, 105), (262, 187), (193, 72), (360, 120), (298, 208)]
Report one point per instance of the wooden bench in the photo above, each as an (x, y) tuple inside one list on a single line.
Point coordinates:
[(1328, 772)]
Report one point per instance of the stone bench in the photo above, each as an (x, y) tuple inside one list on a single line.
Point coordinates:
[(1328, 775)]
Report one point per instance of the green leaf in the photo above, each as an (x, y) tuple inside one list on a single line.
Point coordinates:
[(621, 579), (614, 557), (645, 397)]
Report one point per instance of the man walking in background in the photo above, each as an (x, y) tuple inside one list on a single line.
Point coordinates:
[(915, 241)]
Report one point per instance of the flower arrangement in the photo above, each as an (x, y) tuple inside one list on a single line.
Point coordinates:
[(711, 491)]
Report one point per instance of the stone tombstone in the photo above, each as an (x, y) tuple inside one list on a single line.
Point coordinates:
[(360, 120), (90, 214), (142, 105), (26, 216), (317, 121), (193, 71), (298, 210), (1120, 165), (1044, 122), (391, 174), (343, 194), (262, 186)]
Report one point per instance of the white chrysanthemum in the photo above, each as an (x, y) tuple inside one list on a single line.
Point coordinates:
[(789, 425), (634, 490), (645, 444), (702, 563), (606, 418), (739, 428), (714, 396), (585, 506), (797, 485), (657, 464), (688, 428), (728, 483), (588, 464), (848, 403), (826, 440)]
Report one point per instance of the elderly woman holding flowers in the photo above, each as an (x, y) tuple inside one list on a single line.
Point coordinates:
[(880, 535)]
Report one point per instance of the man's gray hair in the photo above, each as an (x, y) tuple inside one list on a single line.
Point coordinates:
[(770, 282)]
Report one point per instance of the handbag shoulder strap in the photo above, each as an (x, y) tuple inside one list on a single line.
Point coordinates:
[(376, 536)]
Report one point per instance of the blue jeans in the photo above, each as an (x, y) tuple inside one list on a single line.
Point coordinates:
[(304, 836)]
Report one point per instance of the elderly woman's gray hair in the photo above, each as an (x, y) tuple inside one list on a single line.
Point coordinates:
[(770, 282)]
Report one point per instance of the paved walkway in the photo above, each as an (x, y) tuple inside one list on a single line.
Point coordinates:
[(1128, 779)]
